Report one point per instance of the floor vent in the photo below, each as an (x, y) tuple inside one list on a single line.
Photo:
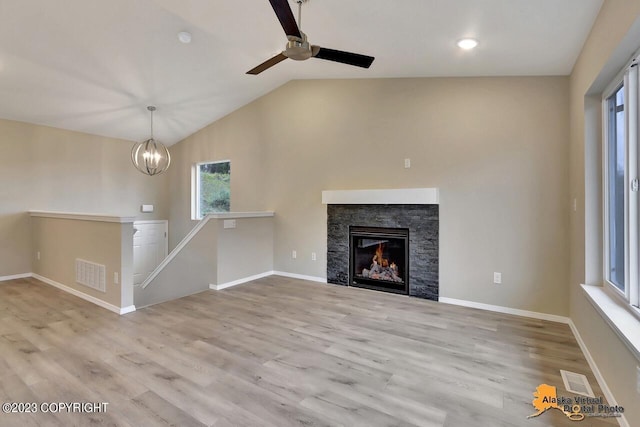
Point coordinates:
[(91, 274), (576, 383)]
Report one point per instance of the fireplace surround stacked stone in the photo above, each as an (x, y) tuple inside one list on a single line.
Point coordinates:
[(422, 222)]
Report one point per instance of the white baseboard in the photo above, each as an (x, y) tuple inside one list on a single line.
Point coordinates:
[(16, 276), (506, 310), (596, 373), (301, 276), (86, 297), (266, 274), (239, 281), (127, 309)]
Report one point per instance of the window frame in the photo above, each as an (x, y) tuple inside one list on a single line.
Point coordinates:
[(628, 78), (195, 188)]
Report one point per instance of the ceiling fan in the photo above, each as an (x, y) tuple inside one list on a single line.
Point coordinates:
[(298, 47)]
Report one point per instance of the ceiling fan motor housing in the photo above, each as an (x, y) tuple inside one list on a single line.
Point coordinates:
[(298, 48)]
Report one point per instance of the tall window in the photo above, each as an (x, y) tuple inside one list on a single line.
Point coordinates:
[(211, 188), (621, 161), (616, 164)]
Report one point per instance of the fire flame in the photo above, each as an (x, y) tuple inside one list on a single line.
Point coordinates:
[(378, 257)]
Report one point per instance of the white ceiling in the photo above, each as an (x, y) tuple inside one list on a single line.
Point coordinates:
[(94, 66)]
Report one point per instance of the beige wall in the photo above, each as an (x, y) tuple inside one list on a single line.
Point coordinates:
[(496, 147), (50, 169), (61, 241), (244, 251), (614, 37)]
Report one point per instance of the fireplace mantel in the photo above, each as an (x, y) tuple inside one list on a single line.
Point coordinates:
[(400, 196)]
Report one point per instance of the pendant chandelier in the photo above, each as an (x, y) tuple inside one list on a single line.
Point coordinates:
[(150, 157)]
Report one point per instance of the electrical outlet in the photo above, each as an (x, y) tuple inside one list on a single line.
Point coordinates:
[(38, 255), (313, 256), (294, 254), (115, 277), (497, 277), (407, 163)]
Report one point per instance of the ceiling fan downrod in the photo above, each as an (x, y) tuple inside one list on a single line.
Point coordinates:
[(300, 12)]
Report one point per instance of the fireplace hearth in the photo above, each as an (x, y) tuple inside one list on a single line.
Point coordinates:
[(379, 258)]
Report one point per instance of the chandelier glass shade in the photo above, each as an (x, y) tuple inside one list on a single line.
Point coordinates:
[(150, 157)]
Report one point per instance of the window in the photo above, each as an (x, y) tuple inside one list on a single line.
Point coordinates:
[(211, 188), (616, 166), (621, 161)]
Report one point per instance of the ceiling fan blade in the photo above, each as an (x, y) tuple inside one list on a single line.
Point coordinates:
[(267, 64), (285, 16), (356, 59)]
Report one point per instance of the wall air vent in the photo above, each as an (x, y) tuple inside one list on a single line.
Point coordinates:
[(91, 274), (576, 383)]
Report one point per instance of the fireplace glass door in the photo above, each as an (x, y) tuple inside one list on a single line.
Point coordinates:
[(379, 258)]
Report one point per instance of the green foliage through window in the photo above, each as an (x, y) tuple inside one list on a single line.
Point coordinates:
[(215, 187)]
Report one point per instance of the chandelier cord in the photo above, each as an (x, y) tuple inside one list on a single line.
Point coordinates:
[(151, 109)]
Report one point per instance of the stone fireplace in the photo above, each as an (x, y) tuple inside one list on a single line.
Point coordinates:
[(384, 240)]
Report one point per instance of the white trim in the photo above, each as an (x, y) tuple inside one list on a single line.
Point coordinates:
[(15, 276), (400, 196), (267, 274), (618, 314), (240, 281), (83, 216), (231, 215), (506, 310), (151, 221), (301, 276), (195, 194), (596, 373), (127, 309), (84, 296)]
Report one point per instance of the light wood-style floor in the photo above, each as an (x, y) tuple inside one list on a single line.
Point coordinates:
[(279, 352)]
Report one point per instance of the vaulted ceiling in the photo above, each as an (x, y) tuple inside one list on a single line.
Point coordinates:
[(93, 66)]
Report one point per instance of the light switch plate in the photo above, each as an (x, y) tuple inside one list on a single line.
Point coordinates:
[(146, 208)]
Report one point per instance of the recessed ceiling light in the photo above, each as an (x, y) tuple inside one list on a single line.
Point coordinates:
[(184, 37), (467, 44)]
